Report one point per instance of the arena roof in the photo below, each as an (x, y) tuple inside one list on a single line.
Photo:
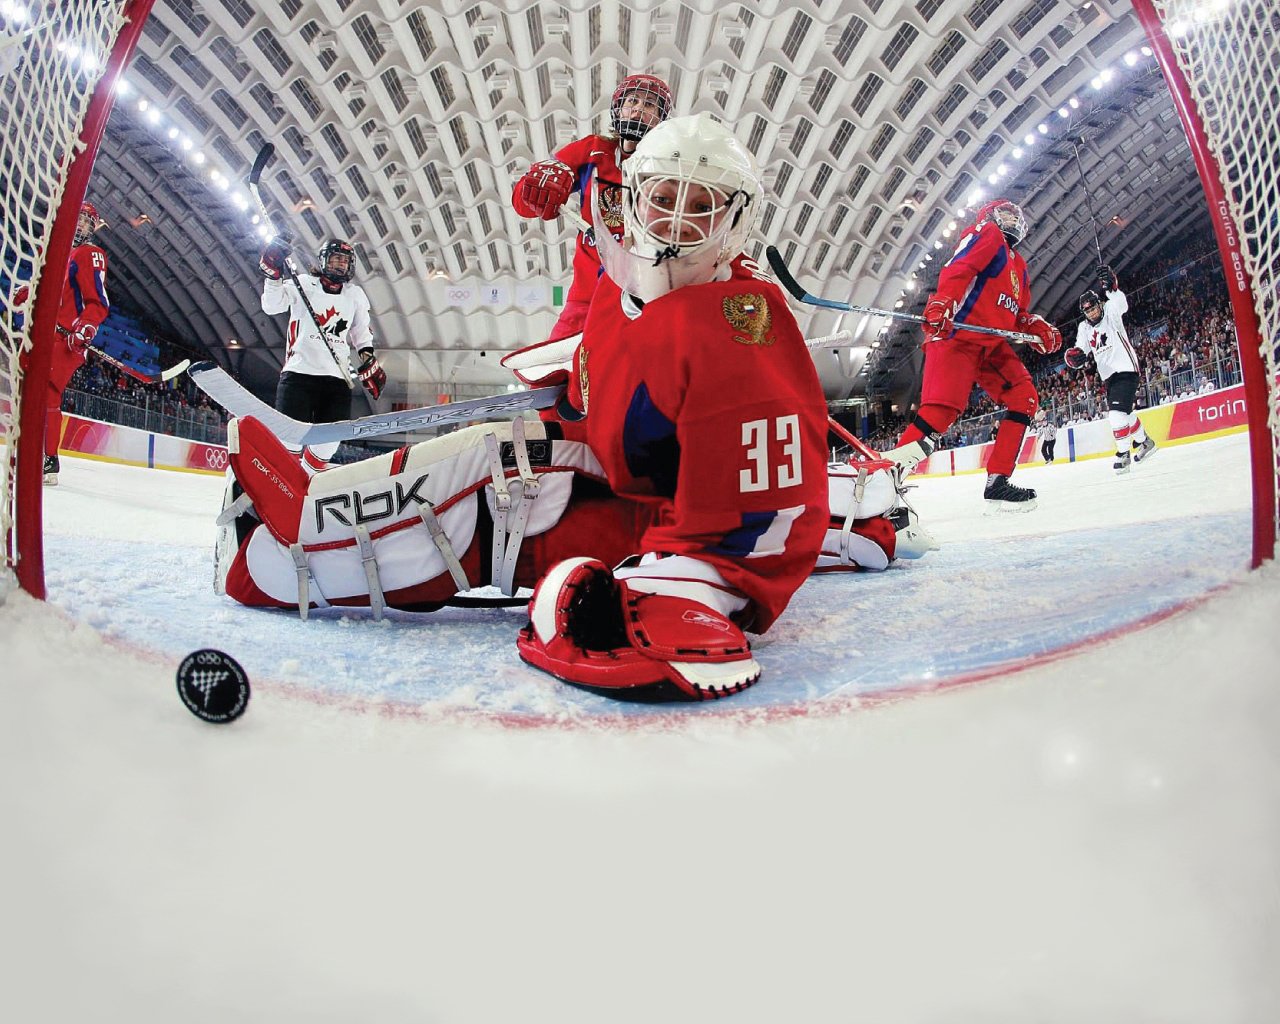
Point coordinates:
[(402, 127)]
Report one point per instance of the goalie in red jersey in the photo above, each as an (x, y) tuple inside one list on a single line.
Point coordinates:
[(689, 453), (984, 283)]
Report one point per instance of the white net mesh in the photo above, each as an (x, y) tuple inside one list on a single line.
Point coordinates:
[(52, 56), (1229, 53)]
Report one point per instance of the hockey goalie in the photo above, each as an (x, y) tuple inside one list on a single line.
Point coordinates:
[(677, 498)]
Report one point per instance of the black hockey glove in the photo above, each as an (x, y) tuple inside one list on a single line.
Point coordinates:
[(1075, 357), (371, 374), (1107, 278), (273, 257)]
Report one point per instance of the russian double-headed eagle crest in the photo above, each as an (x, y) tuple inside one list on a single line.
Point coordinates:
[(749, 314)]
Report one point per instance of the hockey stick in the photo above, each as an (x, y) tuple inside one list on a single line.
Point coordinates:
[(1088, 197), (255, 174), (232, 396), (147, 378), (788, 282)]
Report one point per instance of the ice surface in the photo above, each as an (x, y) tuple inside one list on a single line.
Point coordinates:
[(410, 825)]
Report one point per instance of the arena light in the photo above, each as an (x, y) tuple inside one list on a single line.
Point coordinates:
[(1042, 128), (1096, 83), (1063, 112), (13, 11), (1017, 152), (173, 134), (1002, 170), (1130, 58), (153, 116), (198, 157), (143, 105), (1029, 140), (1146, 51), (186, 144), (123, 88), (1073, 103)]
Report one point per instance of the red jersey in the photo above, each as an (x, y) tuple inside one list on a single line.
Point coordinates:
[(85, 294), (595, 155), (705, 404), (988, 282)]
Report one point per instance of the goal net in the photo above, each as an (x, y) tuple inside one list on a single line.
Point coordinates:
[(59, 62), (1221, 59)]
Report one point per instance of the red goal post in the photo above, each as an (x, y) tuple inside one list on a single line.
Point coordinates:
[(59, 65), (1221, 62)]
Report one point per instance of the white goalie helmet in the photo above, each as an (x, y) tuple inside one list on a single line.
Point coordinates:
[(691, 195)]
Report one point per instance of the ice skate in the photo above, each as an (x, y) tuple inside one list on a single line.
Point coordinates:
[(51, 468), (1144, 451), (1121, 465), (1003, 496)]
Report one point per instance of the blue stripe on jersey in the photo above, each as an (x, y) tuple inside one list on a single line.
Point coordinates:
[(100, 287), (73, 279), (980, 280), (649, 444), (740, 543)]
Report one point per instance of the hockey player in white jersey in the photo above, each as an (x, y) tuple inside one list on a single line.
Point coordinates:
[(328, 323), (1102, 335)]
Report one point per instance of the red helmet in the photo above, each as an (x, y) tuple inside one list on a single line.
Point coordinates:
[(1007, 216), (90, 211), (649, 86)]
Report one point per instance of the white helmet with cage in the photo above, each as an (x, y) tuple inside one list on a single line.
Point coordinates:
[(691, 194)]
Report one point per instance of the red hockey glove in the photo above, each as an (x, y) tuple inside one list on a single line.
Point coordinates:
[(1075, 357), (939, 318), (371, 373), (1107, 280), (545, 187), (81, 335), (1049, 338), (591, 630), (274, 254)]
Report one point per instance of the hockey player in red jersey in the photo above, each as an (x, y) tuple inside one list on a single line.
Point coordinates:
[(984, 283), (83, 308), (690, 455), (638, 103)]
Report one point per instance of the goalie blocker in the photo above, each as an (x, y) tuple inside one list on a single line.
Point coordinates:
[(509, 505)]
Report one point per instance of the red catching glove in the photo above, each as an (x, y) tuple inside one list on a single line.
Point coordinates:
[(545, 187), (371, 373), (591, 630), (274, 253), (939, 318), (1049, 338), (81, 335), (1075, 357)]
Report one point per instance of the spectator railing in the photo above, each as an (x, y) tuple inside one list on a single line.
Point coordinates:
[(150, 411)]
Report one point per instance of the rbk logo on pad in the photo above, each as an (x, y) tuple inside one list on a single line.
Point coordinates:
[(368, 508)]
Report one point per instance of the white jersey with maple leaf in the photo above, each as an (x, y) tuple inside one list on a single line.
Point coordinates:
[(344, 315), (1107, 341)]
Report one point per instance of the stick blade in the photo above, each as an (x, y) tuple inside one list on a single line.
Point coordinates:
[(264, 156), (779, 267)]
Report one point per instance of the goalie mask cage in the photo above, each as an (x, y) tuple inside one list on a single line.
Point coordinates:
[(1222, 64), (59, 64)]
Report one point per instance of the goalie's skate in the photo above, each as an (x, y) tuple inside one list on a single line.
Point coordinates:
[(51, 471), (234, 524), (1144, 451), (1002, 496), (908, 456)]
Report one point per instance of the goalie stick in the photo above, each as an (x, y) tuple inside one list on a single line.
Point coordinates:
[(779, 267), (147, 378), (255, 174), (237, 400)]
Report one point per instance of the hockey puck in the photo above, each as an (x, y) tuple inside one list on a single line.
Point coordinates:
[(213, 686)]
